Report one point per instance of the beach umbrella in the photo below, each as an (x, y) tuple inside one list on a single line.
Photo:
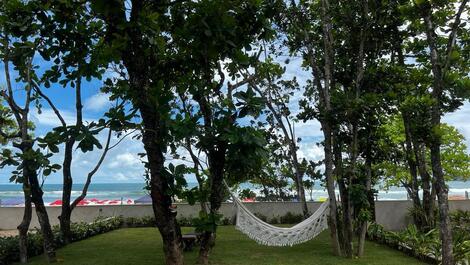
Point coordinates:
[(83, 202), (102, 202), (114, 202), (56, 203), (144, 200)]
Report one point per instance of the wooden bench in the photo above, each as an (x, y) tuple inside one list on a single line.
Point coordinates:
[(190, 240)]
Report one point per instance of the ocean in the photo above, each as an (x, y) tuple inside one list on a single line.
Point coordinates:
[(133, 191)]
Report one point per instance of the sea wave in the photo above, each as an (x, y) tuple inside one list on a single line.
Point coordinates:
[(134, 191)]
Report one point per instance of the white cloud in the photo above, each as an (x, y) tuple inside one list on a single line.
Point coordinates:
[(97, 102), (125, 160), (460, 119), (120, 177), (47, 118)]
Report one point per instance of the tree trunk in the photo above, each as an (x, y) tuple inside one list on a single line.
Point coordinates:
[(442, 193), (25, 223), (301, 192), (216, 166), (66, 212), (428, 200), (346, 224), (368, 184), (411, 158), (200, 181), (43, 218), (435, 142), (165, 215), (347, 231), (67, 186), (141, 68), (333, 214)]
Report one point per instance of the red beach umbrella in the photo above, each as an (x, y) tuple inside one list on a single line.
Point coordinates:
[(56, 203)]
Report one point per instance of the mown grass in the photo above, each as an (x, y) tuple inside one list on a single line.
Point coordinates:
[(141, 246)]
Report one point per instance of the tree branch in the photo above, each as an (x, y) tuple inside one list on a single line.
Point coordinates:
[(92, 172), (51, 104), (9, 94), (453, 36)]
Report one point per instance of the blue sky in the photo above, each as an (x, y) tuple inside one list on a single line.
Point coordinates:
[(123, 164)]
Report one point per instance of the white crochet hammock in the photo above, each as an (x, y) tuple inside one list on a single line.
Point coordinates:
[(270, 235)]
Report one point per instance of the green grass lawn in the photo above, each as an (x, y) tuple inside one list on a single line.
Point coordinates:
[(141, 246)]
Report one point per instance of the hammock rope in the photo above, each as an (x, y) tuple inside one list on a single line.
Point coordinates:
[(269, 235)]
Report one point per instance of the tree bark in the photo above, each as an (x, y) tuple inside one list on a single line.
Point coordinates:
[(66, 212), (25, 223), (216, 157), (428, 199), (300, 184), (142, 69), (43, 218), (347, 231), (412, 188), (165, 216), (332, 219), (438, 71), (368, 186), (216, 166)]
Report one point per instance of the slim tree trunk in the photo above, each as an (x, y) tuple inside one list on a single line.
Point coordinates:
[(347, 231), (368, 184), (200, 180), (300, 186), (411, 158), (43, 218), (428, 200), (333, 215), (438, 71), (66, 212), (287, 130), (25, 223)]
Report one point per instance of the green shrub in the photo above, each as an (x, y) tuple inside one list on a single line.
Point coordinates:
[(227, 221), (290, 218), (9, 251), (261, 217), (186, 221), (146, 221), (275, 220)]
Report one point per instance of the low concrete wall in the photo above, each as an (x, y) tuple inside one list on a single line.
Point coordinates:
[(393, 215)]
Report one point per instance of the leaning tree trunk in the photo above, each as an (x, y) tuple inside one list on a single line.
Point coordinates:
[(43, 218), (25, 223)]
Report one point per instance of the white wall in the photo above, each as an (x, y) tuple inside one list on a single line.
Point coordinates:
[(393, 215)]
